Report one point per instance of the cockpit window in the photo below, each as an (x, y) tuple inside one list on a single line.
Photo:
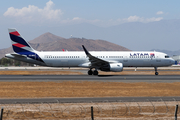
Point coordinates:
[(166, 56)]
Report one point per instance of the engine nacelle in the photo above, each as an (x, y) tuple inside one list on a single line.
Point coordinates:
[(116, 67)]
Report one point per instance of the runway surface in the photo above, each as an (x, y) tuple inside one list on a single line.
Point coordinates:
[(88, 100), (103, 78), (100, 78)]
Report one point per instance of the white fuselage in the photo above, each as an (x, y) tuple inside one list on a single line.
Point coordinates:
[(79, 58)]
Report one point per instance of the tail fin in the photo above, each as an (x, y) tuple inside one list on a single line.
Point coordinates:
[(18, 43)]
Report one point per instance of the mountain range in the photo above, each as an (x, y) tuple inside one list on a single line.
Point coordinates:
[(162, 35), (51, 42)]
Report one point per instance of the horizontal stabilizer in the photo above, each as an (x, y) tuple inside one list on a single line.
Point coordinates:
[(18, 55)]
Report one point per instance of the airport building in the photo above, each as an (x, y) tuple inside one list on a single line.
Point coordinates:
[(177, 59)]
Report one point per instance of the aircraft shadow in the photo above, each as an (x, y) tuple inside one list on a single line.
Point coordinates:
[(107, 75)]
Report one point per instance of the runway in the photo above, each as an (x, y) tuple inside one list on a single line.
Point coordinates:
[(102, 78), (88, 100)]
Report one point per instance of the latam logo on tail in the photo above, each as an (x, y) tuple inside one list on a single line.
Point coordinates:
[(18, 43), (15, 33), (21, 47)]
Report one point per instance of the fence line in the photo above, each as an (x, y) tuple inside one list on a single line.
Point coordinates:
[(104, 109)]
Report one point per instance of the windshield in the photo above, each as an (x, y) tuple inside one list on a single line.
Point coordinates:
[(166, 56)]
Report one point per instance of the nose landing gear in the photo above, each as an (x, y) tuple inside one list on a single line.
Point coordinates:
[(156, 73)]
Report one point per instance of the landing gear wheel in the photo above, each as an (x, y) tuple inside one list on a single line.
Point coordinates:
[(156, 73), (90, 72), (95, 72)]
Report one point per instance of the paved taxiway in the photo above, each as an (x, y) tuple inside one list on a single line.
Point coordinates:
[(88, 100), (103, 78)]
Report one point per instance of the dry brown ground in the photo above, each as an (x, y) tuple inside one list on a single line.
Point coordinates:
[(37, 72), (86, 89), (63, 72)]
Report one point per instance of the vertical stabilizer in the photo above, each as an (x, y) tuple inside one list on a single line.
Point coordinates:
[(18, 42), (21, 47)]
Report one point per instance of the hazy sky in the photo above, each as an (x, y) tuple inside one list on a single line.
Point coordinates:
[(98, 12), (23, 14)]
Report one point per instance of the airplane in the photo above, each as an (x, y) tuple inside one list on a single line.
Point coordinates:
[(107, 61)]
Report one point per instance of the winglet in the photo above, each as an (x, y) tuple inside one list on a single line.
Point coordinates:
[(87, 53)]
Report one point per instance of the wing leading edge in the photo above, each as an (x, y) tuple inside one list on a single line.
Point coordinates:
[(95, 62)]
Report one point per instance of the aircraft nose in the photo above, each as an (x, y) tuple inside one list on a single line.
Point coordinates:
[(172, 61)]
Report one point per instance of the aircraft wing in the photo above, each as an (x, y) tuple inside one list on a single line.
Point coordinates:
[(95, 62)]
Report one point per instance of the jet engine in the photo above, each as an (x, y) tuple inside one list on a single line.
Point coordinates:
[(114, 67)]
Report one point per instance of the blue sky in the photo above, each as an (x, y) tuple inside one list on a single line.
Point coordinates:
[(98, 12), (102, 13)]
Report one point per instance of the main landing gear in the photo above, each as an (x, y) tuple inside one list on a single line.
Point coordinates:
[(156, 73), (90, 72)]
